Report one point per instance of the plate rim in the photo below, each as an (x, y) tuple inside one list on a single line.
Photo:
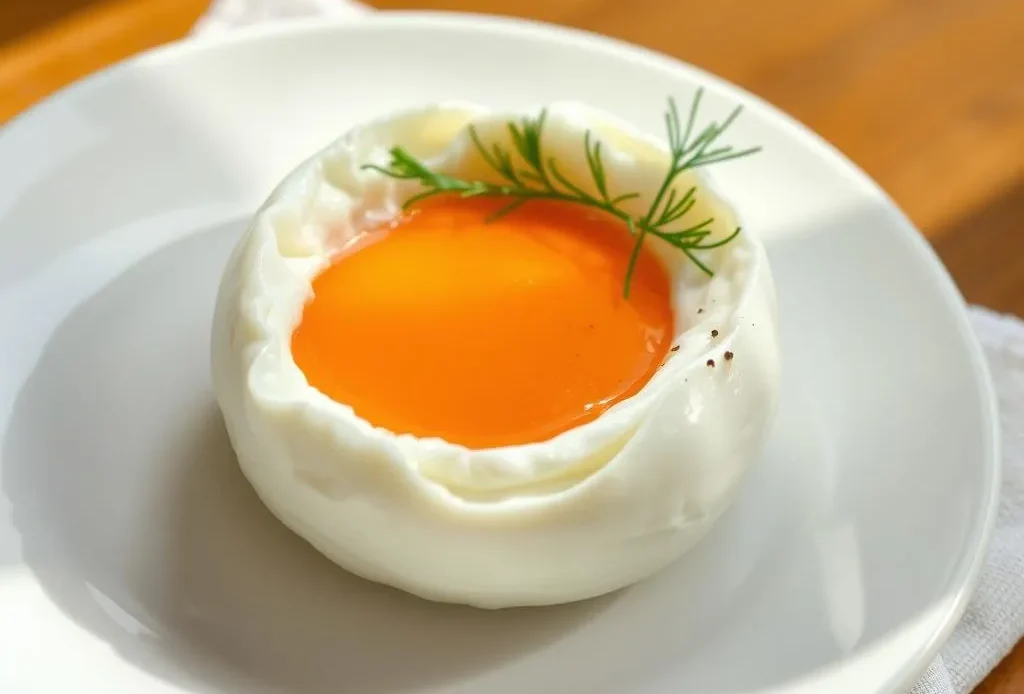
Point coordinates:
[(970, 564)]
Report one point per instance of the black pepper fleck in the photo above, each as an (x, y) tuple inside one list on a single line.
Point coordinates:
[(700, 310), (714, 333), (711, 363), (675, 348), (728, 356)]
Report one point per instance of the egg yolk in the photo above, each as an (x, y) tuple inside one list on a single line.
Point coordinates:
[(486, 332)]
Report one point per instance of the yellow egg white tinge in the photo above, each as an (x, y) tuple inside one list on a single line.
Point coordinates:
[(593, 509)]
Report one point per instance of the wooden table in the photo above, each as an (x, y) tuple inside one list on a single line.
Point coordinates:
[(926, 95)]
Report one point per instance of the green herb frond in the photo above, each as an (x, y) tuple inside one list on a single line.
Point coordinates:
[(528, 175)]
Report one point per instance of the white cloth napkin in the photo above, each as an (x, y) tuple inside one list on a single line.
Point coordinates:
[(227, 14), (994, 620)]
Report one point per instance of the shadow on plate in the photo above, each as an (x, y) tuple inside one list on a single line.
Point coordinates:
[(134, 515)]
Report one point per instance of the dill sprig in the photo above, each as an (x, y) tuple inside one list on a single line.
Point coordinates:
[(537, 177)]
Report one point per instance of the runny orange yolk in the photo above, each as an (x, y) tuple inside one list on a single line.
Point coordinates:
[(486, 332)]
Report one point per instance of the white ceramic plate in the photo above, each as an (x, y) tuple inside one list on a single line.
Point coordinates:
[(135, 558)]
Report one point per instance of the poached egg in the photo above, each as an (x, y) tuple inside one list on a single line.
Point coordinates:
[(405, 409)]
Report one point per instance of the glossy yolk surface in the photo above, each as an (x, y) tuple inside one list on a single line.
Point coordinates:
[(486, 333)]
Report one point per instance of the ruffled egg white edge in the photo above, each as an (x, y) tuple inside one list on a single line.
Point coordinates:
[(296, 233)]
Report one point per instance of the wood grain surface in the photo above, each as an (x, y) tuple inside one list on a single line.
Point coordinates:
[(926, 95)]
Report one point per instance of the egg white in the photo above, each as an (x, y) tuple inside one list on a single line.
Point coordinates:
[(591, 510)]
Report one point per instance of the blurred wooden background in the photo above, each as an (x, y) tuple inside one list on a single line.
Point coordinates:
[(926, 95)]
